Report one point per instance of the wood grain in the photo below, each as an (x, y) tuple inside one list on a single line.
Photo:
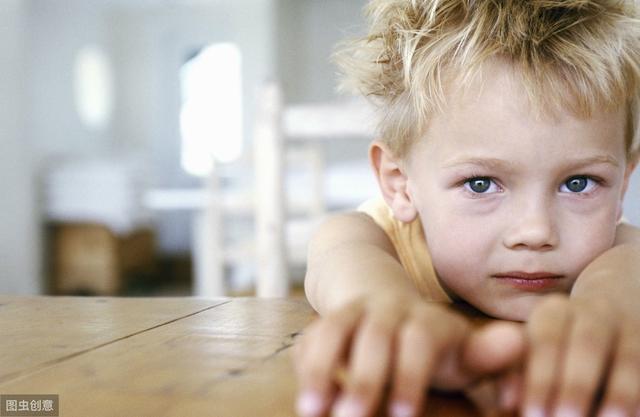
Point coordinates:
[(37, 331), (161, 357)]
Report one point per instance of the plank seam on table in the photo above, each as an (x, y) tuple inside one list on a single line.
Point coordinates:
[(24, 373)]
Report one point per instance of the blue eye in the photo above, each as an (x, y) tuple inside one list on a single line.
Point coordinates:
[(578, 184), (480, 185)]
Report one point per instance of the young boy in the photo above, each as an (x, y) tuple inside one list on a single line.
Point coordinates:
[(507, 139)]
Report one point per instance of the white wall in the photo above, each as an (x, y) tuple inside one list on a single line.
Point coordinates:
[(58, 30), (150, 46), (308, 31), (19, 242), (632, 199)]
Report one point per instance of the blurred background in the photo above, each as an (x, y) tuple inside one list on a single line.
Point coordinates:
[(113, 114), (120, 119)]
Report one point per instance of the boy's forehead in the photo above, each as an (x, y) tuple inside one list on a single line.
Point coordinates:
[(493, 112), (495, 84), (497, 90), (500, 85)]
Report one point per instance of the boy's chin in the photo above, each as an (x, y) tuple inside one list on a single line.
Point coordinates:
[(516, 308)]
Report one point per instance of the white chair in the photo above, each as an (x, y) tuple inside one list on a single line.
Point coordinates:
[(278, 127)]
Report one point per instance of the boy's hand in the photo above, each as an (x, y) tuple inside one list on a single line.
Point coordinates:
[(579, 350), (407, 342)]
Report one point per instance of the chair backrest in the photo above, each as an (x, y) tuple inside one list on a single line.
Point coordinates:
[(344, 119)]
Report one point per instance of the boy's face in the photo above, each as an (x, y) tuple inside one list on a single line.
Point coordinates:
[(515, 206)]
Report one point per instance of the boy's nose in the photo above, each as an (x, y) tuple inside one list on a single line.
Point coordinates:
[(532, 228)]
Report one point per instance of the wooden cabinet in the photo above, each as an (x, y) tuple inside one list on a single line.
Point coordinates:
[(91, 259)]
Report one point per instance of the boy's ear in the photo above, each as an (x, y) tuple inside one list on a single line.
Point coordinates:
[(392, 180), (631, 166)]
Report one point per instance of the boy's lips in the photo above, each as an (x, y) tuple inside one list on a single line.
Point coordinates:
[(530, 281), (527, 275)]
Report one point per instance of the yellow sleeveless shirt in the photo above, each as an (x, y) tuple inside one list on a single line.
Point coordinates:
[(409, 242)]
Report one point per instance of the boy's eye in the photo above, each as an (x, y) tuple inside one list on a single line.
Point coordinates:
[(579, 184), (480, 185)]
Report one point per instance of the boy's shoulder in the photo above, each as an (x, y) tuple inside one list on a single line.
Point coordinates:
[(409, 241)]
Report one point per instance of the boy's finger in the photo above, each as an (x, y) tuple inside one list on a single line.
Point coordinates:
[(368, 366), (622, 394), (546, 331), (484, 396), (412, 368), (510, 390), (448, 335), (494, 348), (583, 369), (323, 349)]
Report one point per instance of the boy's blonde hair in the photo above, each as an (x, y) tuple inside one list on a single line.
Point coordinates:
[(583, 55)]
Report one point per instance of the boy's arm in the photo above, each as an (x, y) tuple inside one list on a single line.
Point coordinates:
[(595, 330), (615, 275), (351, 257)]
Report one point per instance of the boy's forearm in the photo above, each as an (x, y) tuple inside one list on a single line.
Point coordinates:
[(353, 270), (615, 276)]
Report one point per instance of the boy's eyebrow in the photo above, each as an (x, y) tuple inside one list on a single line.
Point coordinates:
[(495, 163), (591, 160), (484, 162)]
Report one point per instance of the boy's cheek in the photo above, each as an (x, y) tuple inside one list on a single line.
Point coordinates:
[(461, 268), (585, 241)]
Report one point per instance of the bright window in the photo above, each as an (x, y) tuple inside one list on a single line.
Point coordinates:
[(211, 114)]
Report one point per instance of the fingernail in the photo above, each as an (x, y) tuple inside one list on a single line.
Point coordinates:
[(309, 404), (348, 407), (401, 409), (508, 398), (564, 411), (613, 412), (533, 411)]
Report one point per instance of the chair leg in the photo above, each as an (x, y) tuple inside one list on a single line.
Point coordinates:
[(208, 258), (272, 277)]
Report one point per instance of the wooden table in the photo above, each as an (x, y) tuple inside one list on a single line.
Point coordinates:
[(159, 356)]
